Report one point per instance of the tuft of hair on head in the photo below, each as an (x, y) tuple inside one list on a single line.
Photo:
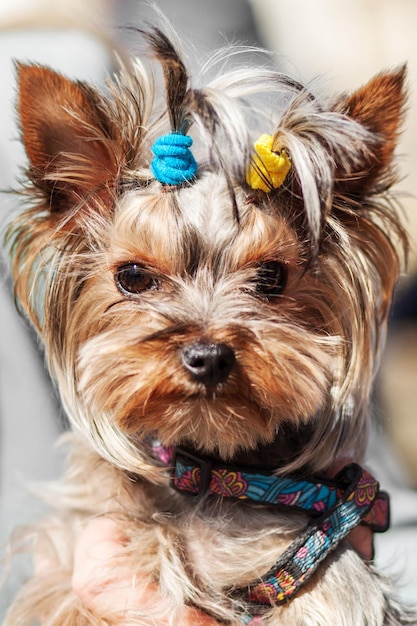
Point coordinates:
[(175, 75), (342, 151)]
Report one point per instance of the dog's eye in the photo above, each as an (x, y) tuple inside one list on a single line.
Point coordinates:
[(271, 279), (133, 279)]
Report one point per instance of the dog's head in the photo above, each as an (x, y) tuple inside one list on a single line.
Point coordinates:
[(220, 313)]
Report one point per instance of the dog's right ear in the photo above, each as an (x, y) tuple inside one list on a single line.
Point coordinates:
[(379, 107), (70, 142)]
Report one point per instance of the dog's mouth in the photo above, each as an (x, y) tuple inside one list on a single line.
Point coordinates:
[(215, 422), (285, 447), (229, 422)]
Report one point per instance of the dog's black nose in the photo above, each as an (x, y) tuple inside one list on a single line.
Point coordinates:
[(208, 363)]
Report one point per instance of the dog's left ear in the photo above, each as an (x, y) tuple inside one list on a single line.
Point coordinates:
[(379, 107), (69, 140)]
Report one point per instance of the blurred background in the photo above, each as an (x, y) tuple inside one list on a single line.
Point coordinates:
[(345, 42)]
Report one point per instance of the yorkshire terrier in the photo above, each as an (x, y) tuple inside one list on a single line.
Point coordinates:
[(212, 315)]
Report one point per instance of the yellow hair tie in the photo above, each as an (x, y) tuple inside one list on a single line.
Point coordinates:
[(268, 168)]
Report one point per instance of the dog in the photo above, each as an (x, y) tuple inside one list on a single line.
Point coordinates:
[(210, 269)]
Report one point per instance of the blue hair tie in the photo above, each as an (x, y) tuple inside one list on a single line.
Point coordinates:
[(174, 162)]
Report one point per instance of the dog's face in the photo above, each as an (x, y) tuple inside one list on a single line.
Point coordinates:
[(202, 329), (208, 314)]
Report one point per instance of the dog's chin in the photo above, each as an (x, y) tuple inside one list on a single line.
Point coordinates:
[(220, 422), (225, 427)]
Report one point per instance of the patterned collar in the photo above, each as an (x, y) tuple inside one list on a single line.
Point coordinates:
[(335, 507)]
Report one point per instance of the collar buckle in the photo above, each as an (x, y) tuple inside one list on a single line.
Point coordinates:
[(191, 475)]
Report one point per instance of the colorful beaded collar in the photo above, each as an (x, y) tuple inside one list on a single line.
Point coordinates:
[(335, 506)]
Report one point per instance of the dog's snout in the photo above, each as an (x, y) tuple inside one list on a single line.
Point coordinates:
[(209, 364)]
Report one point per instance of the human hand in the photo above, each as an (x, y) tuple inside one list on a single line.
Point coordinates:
[(103, 585)]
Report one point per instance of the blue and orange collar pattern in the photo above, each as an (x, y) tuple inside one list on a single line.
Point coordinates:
[(335, 507)]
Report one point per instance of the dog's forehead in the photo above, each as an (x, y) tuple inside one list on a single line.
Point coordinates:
[(201, 221), (204, 209), (207, 206)]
